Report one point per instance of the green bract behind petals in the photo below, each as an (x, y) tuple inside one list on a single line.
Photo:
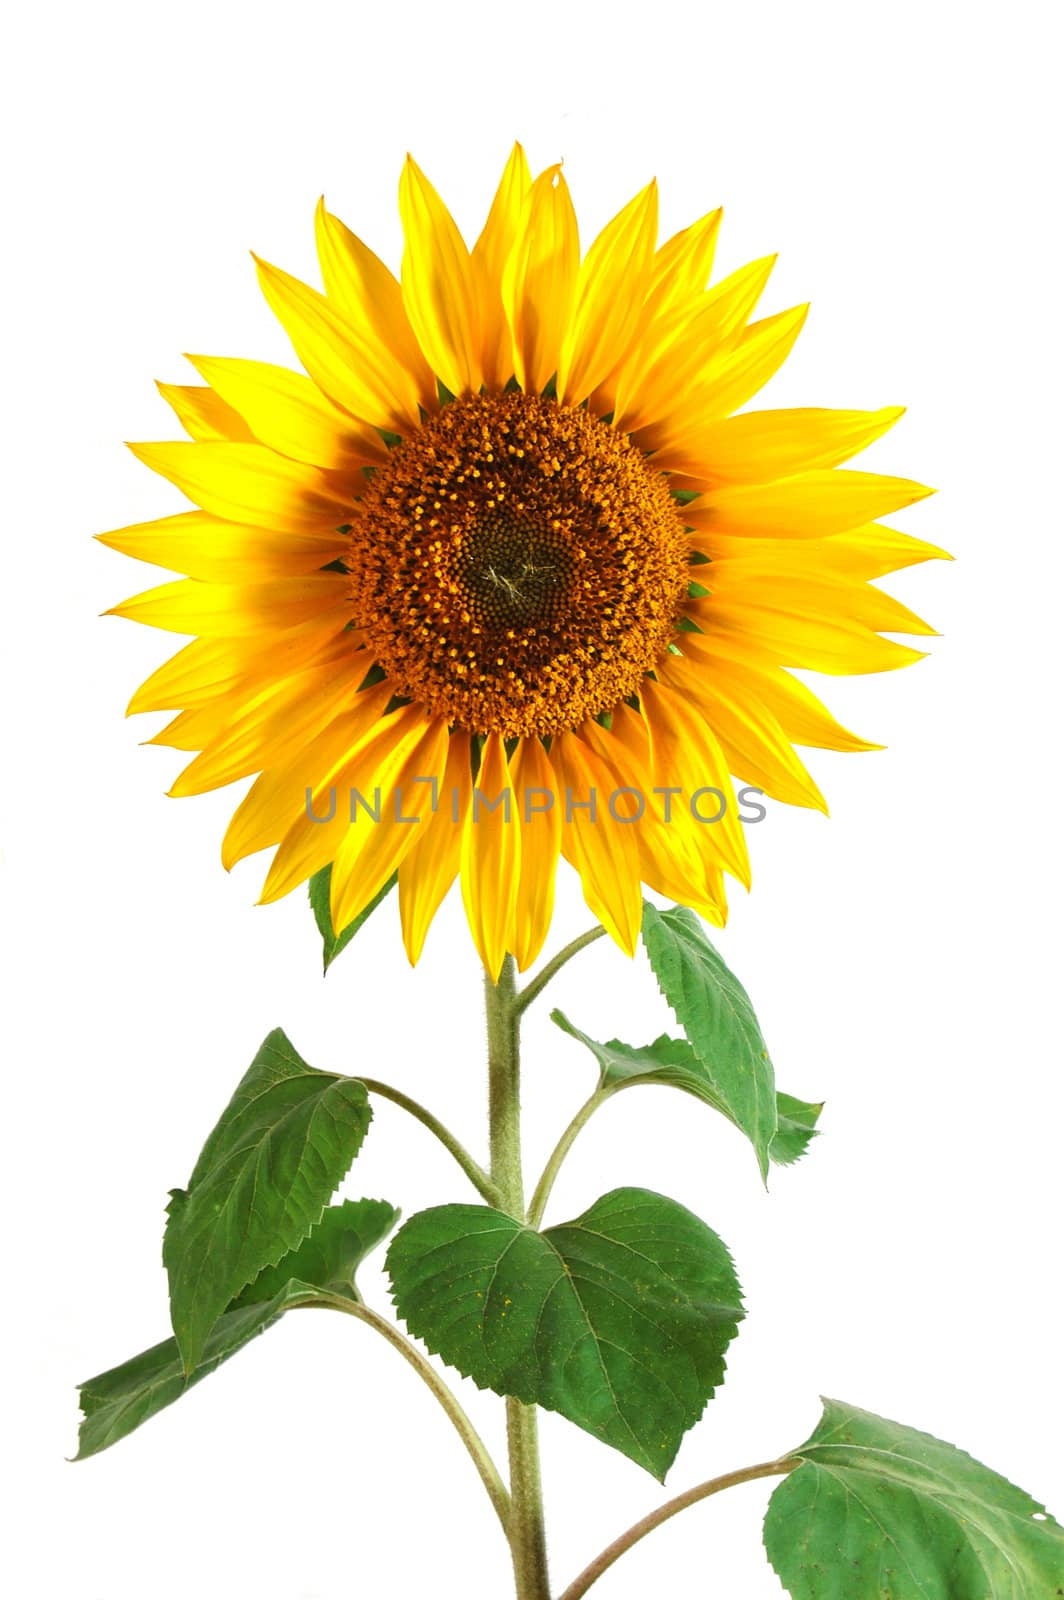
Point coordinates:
[(332, 942)]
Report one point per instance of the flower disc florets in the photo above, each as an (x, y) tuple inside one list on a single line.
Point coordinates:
[(517, 567)]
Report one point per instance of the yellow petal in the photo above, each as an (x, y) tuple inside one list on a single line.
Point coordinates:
[(280, 724), (804, 719), (678, 348), (371, 851), (288, 412), (808, 506), (539, 280), (760, 446), (610, 289), (248, 483), (728, 382), (237, 609), (279, 796), (873, 551), (685, 754), (825, 644), (540, 820), (205, 669), (371, 768), (212, 719), (602, 851), (368, 295), (683, 264), (490, 253), (491, 856), (348, 362), (755, 746), (439, 284), (206, 547), (668, 858), (797, 587), (432, 864), (666, 868), (203, 414)]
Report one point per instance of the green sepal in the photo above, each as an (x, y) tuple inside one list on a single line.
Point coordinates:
[(715, 1013), (116, 1402), (878, 1511), (273, 1161), (618, 1320), (673, 1063), (332, 943)]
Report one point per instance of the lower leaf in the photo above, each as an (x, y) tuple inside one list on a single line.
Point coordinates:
[(878, 1511), (117, 1402)]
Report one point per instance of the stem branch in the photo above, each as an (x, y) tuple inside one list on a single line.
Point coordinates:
[(558, 1154), (537, 984), (473, 1170), (690, 1497), (469, 1436)]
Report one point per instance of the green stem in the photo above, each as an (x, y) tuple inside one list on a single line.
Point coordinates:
[(469, 1436), (528, 1544), (561, 1150), (537, 984), (480, 1180), (613, 1552)]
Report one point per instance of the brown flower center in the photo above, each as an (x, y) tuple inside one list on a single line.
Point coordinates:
[(517, 566)]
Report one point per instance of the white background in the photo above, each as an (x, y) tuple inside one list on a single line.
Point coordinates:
[(904, 957)]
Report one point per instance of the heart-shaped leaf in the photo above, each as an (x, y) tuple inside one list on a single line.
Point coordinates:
[(619, 1320)]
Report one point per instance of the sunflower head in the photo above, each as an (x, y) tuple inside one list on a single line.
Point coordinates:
[(502, 558)]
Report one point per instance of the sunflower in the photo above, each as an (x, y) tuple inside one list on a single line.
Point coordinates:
[(504, 537)]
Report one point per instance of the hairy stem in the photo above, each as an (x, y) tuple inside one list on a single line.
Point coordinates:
[(528, 1544), (690, 1497), (543, 1188), (489, 1473), (480, 1180), (537, 984)]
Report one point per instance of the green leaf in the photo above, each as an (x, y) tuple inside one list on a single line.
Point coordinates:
[(282, 1145), (673, 1063), (120, 1400), (715, 1013), (117, 1402), (797, 1125), (331, 1254), (618, 1320), (332, 943), (878, 1511)]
